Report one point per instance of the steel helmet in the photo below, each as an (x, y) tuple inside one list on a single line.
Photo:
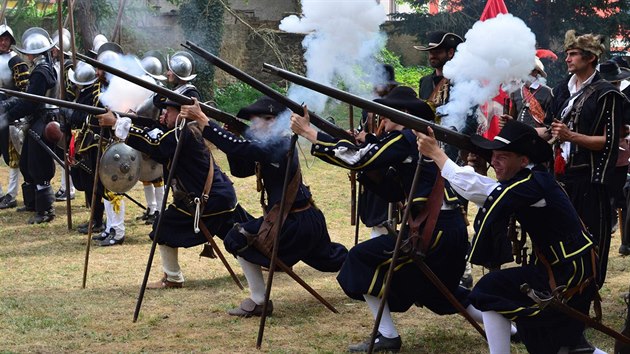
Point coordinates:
[(109, 53), (66, 39), (84, 75), (182, 65), (35, 40), (5, 29), (153, 64)]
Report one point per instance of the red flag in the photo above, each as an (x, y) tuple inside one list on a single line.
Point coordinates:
[(434, 7), (492, 9)]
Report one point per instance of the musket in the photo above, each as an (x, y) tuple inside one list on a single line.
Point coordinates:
[(62, 96), (419, 262), (352, 176), (73, 105), (276, 239), (544, 300), (171, 174), (443, 134), (317, 121), (99, 153), (210, 111)]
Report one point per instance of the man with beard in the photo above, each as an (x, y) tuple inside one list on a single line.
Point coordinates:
[(532, 101), (587, 116), (435, 90), (13, 75)]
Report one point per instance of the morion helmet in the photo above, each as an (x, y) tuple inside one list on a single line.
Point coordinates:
[(84, 75), (5, 29), (153, 64), (182, 65), (35, 40)]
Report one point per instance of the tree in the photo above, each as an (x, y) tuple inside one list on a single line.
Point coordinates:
[(548, 19)]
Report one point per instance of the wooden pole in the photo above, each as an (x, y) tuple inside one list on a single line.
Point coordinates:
[(62, 96)]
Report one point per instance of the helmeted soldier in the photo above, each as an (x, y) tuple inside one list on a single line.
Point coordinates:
[(69, 95), (114, 234), (85, 143), (36, 165), (13, 75), (181, 70), (153, 183)]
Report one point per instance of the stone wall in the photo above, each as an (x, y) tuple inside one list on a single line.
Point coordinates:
[(247, 50)]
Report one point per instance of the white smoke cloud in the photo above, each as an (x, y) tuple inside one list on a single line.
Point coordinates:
[(343, 38), (496, 51), (122, 95)]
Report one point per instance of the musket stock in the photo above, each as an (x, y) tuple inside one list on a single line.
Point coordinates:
[(443, 134), (210, 111), (317, 121)]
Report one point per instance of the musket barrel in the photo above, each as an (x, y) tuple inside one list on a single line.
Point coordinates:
[(324, 125), (174, 96), (444, 134), (73, 105)]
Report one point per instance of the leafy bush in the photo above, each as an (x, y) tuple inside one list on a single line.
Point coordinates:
[(233, 97), (406, 75)]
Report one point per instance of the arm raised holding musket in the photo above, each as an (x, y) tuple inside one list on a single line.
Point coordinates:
[(436, 227)]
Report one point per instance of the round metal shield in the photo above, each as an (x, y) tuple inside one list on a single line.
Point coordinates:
[(150, 170), (119, 167)]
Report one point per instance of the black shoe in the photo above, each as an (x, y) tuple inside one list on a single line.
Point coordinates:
[(624, 250), (111, 240), (144, 216), (25, 209), (466, 281), (381, 344), (62, 197), (7, 202), (151, 218), (100, 236), (83, 228), (42, 217)]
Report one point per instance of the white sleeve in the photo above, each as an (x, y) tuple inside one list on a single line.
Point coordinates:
[(122, 126), (467, 183)]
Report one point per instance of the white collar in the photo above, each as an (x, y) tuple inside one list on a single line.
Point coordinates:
[(573, 83)]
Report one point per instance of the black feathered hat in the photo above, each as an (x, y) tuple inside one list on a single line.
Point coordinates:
[(263, 106), (440, 40), (519, 138), (405, 98)]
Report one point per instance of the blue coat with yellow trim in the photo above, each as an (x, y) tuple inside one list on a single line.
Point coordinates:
[(544, 211), (221, 210), (304, 235), (388, 164)]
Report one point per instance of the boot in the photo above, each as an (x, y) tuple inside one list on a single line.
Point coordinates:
[(28, 193), (45, 212)]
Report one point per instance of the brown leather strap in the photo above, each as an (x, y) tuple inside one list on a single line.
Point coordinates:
[(208, 185), (552, 279), (429, 213)]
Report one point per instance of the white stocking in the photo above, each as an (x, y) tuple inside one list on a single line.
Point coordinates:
[(386, 327)]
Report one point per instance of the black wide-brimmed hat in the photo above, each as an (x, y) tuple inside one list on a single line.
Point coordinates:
[(263, 106), (441, 40), (611, 72), (621, 62), (405, 98), (519, 138), (162, 102)]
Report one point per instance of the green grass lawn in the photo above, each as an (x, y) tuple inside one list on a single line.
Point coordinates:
[(44, 309)]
